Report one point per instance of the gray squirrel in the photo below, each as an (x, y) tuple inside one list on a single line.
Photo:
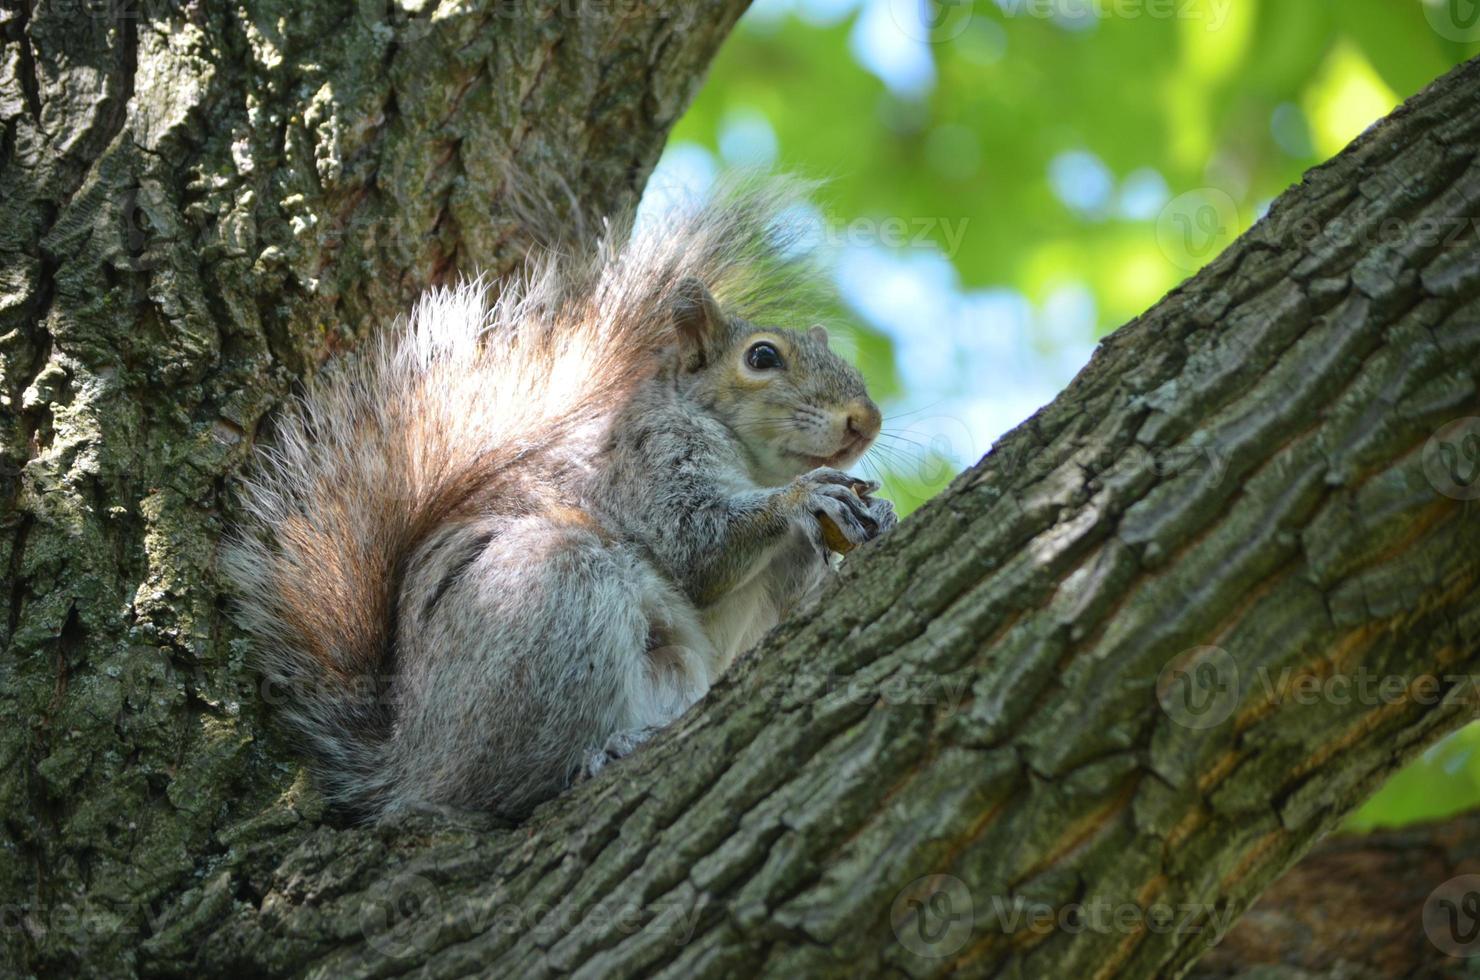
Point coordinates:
[(521, 533)]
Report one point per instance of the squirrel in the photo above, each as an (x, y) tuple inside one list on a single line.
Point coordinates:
[(523, 532)]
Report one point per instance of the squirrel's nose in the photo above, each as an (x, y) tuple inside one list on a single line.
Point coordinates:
[(864, 419)]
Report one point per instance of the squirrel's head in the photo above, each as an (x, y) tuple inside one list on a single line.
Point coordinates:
[(792, 402)]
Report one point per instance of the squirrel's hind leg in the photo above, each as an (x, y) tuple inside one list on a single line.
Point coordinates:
[(679, 664), (538, 644)]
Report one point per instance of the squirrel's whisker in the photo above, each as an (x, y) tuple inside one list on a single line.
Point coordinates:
[(907, 441), (915, 411)]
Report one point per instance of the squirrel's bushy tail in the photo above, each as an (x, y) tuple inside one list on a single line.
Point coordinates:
[(415, 432)]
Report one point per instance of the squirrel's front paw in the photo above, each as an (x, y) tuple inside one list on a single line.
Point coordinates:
[(826, 475), (882, 511), (845, 519)]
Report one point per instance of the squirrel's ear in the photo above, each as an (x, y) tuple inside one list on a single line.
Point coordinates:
[(819, 334), (697, 320)]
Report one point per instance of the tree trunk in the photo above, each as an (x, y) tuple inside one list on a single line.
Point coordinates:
[(1100, 677), (1353, 910)]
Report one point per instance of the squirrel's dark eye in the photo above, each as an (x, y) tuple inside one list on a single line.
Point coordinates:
[(763, 357)]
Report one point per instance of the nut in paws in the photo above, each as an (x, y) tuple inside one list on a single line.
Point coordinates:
[(849, 515)]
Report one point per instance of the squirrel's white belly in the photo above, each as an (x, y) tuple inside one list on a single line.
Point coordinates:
[(738, 621)]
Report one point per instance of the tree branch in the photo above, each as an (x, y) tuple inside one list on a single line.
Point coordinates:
[(1354, 909)]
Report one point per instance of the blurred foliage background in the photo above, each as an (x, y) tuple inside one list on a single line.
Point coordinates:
[(1009, 180)]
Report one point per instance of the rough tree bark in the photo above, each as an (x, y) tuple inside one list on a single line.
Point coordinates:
[(1348, 910), (1080, 678)]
